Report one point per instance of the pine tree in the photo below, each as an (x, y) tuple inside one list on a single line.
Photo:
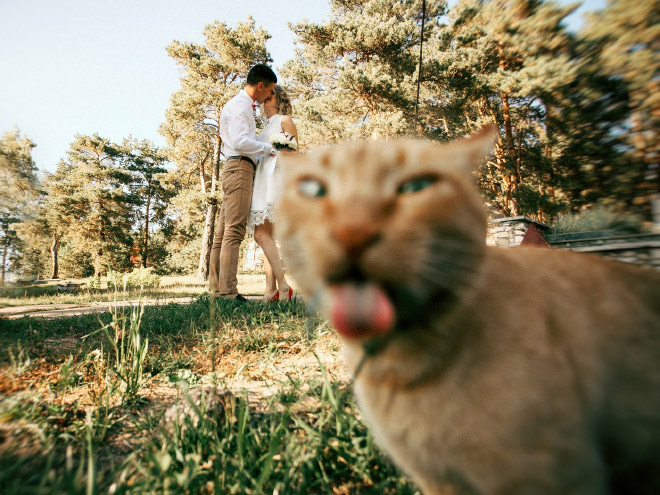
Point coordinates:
[(512, 63), (624, 42), (89, 198), (588, 146), (18, 184), (146, 165), (355, 75), (504, 62), (184, 228), (35, 252)]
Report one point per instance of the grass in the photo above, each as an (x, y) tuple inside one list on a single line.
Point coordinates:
[(45, 292), (83, 405)]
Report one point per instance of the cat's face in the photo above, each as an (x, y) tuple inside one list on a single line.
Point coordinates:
[(378, 232)]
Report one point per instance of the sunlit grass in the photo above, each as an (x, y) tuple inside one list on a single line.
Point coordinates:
[(73, 421), (46, 293)]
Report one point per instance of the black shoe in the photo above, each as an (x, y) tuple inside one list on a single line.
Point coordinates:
[(241, 299)]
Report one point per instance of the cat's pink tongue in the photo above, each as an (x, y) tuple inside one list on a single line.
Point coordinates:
[(361, 310)]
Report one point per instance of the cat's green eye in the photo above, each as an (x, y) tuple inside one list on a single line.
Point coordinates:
[(417, 184), (311, 188)]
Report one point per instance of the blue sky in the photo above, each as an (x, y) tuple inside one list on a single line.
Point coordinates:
[(92, 66)]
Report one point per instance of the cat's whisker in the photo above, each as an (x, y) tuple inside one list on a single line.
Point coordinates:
[(448, 274), (464, 263), (459, 247), (439, 280), (446, 253)]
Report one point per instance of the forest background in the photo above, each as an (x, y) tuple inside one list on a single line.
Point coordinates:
[(578, 115)]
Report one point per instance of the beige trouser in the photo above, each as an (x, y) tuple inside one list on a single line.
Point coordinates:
[(237, 177)]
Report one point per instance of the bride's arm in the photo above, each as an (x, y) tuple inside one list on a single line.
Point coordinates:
[(289, 127)]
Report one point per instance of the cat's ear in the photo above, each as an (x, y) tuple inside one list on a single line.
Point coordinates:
[(475, 148)]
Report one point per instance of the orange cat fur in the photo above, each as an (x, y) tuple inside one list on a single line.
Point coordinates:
[(480, 370)]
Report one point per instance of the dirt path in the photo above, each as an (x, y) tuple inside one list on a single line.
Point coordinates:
[(61, 310)]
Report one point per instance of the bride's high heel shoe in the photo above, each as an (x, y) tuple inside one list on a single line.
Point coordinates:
[(276, 297), (289, 295)]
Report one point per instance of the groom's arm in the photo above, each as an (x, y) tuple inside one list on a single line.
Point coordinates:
[(241, 131)]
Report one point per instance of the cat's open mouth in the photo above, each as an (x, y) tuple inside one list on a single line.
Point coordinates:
[(361, 309)]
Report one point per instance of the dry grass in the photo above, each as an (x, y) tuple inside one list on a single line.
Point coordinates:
[(46, 293)]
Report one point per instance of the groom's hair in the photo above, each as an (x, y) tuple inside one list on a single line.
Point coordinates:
[(261, 73)]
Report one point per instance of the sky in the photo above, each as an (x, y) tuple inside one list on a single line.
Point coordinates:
[(100, 66)]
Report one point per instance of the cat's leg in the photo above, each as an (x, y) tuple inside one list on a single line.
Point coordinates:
[(590, 480), (565, 466), (573, 471), (458, 486)]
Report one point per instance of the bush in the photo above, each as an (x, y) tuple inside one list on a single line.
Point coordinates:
[(139, 278), (115, 280), (75, 263), (597, 218), (184, 260), (142, 278), (93, 282)]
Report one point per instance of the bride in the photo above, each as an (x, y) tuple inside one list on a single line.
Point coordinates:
[(265, 193)]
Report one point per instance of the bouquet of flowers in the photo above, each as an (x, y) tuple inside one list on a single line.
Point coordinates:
[(284, 141)]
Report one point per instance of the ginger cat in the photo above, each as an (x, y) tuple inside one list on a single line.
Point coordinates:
[(480, 370)]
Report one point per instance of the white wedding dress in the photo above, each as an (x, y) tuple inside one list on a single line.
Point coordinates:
[(267, 186)]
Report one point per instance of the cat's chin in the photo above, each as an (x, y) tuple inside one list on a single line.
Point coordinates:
[(360, 310)]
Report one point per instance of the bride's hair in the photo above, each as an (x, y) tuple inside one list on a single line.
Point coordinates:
[(283, 101)]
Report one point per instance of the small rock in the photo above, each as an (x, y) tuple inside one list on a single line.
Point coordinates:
[(207, 401)]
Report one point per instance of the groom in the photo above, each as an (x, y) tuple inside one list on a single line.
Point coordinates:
[(242, 152)]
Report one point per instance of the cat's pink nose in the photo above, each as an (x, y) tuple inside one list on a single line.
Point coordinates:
[(355, 238)]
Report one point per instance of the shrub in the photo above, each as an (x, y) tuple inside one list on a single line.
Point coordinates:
[(115, 280), (183, 260), (142, 278), (93, 282), (597, 218)]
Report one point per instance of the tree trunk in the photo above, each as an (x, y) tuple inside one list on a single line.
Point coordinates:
[(145, 243), (508, 128), (500, 163), (506, 111), (549, 184), (98, 263), (202, 179), (510, 150), (207, 242), (54, 250), (5, 249), (211, 210)]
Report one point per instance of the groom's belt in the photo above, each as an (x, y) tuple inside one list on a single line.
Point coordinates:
[(240, 157)]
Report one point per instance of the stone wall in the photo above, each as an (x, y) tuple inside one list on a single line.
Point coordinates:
[(510, 231)]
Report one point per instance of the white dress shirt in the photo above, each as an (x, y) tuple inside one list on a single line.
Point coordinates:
[(238, 129)]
